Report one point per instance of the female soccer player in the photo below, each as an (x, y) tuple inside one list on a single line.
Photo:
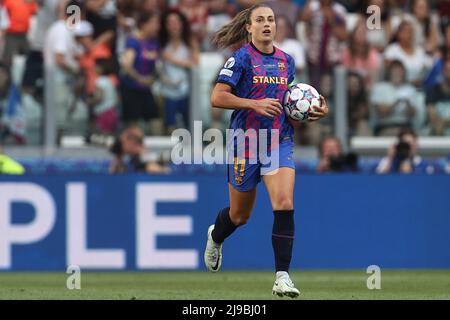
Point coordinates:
[(253, 82)]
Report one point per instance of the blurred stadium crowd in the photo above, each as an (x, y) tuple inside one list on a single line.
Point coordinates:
[(129, 62)]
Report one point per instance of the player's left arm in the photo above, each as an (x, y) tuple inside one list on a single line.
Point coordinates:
[(319, 112)]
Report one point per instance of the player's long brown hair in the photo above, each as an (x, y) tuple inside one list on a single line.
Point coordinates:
[(235, 33)]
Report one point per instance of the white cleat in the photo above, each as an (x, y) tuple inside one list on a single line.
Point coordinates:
[(284, 286), (213, 253)]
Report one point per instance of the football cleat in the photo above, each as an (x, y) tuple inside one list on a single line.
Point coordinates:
[(284, 286), (213, 253)]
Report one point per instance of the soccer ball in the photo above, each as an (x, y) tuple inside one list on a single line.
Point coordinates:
[(299, 100)]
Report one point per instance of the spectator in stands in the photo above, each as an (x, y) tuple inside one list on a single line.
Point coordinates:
[(91, 52), (244, 4), (12, 117), (9, 165), (19, 14), (426, 26), (148, 6), (438, 104), (398, 7), (333, 158), (402, 156), (300, 3), (326, 30), (286, 8), (104, 100), (219, 14), (358, 106), (180, 53), (286, 41), (126, 22), (393, 102), (443, 11), (102, 14), (152, 6), (4, 24), (196, 13), (413, 57), (139, 74), (379, 38), (435, 74), (60, 49), (61, 65), (358, 56), (33, 78), (129, 150), (354, 6)]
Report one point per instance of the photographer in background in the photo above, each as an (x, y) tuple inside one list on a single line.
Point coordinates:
[(128, 151), (333, 159), (402, 157)]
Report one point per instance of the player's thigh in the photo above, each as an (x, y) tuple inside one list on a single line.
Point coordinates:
[(280, 186), (241, 204)]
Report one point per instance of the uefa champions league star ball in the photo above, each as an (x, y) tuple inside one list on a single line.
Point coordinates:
[(299, 100)]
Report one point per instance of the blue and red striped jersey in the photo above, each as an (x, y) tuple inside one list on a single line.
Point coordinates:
[(256, 75)]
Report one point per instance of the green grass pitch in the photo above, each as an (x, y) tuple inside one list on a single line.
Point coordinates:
[(398, 284)]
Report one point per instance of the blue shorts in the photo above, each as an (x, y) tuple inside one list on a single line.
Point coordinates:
[(244, 175)]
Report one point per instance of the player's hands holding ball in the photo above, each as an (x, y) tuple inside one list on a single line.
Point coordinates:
[(302, 102), (319, 112)]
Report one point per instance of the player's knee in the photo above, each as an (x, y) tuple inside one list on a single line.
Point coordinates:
[(240, 220), (283, 204)]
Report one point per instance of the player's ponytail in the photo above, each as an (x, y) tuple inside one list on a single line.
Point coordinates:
[(235, 32)]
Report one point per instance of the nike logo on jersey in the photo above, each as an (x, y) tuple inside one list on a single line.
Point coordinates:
[(256, 66)]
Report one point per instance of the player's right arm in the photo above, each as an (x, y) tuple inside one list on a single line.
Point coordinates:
[(222, 97)]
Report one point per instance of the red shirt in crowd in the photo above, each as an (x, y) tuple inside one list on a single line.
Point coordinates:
[(87, 64), (19, 13)]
